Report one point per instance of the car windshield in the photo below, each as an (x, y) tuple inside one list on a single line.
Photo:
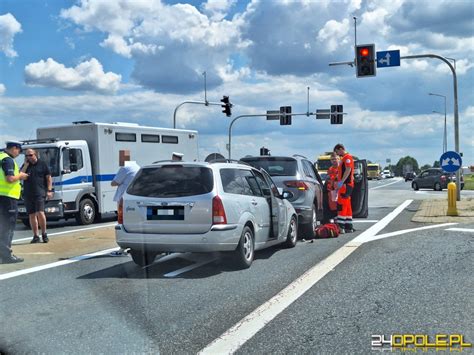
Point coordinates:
[(274, 166), (172, 181)]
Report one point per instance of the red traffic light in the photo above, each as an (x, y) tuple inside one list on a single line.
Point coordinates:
[(364, 52)]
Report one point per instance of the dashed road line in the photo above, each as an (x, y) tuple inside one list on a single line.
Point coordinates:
[(465, 230)]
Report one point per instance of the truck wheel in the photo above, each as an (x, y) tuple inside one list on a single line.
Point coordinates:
[(142, 258), (26, 222), (87, 212)]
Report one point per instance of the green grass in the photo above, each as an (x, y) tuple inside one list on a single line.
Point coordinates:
[(469, 182)]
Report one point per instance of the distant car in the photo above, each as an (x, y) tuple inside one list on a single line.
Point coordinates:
[(435, 179), (299, 176), (387, 174), (204, 207), (409, 176)]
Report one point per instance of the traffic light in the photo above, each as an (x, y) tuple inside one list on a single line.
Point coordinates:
[(285, 115), (336, 114), (264, 151), (226, 106), (365, 60)]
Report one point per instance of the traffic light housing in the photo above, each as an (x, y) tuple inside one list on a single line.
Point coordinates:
[(264, 151), (365, 60), (285, 115), (226, 105), (336, 114)]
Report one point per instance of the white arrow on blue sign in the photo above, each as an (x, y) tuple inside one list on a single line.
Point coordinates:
[(388, 59), (450, 161)]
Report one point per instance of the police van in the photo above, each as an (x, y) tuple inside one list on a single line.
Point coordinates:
[(84, 158)]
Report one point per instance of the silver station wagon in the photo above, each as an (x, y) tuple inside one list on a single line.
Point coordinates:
[(204, 207)]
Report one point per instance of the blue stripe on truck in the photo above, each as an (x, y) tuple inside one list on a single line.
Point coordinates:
[(87, 178)]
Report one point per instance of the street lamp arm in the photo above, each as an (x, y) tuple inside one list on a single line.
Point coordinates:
[(206, 103)]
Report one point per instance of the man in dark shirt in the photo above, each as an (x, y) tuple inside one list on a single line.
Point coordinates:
[(36, 189)]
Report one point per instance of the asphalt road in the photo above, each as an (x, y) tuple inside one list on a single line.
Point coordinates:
[(415, 282)]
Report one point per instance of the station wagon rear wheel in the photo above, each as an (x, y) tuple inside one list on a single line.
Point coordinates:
[(142, 258), (245, 251), (414, 185), (437, 187), (292, 233)]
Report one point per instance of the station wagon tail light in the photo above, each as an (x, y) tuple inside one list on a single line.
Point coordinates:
[(218, 212), (300, 185), (120, 212)]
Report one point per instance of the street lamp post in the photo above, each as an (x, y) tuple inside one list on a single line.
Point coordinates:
[(445, 139)]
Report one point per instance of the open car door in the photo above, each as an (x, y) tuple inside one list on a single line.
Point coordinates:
[(360, 195)]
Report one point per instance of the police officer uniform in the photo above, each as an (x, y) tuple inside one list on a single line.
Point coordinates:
[(9, 195)]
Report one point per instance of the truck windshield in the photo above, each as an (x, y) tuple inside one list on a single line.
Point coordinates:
[(372, 168), (324, 164), (50, 155)]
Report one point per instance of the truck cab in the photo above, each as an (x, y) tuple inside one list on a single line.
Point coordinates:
[(71, 171)]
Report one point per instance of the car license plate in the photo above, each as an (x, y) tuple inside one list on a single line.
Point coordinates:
[(165, 213), (22, 209)]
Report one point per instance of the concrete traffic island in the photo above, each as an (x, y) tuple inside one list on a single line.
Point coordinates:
[(435, 211), (61, 247)]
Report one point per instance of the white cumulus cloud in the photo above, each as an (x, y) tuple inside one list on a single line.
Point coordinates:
[(9, 27), (86, 76), (2, 89)]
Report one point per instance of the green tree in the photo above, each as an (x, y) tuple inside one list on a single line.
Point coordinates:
[(436, 164), (426, 166), (406, 164)]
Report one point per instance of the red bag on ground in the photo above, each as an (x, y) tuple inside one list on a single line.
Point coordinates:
[(328, 230)]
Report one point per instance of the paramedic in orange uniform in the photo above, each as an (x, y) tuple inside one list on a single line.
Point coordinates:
[(331, 184), (345, 185)]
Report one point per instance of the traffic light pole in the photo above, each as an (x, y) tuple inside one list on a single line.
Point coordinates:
[(456, 114), (262, 115), (205, 103)]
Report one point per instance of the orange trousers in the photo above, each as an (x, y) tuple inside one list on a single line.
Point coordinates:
[(344, 207)]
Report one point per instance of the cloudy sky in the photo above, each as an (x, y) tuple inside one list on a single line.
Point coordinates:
[(136, 60)]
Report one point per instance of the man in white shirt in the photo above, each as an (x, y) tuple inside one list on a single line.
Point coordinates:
[(123, 178)]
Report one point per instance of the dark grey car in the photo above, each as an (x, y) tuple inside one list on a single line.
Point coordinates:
[(434, 178), (297, 175)]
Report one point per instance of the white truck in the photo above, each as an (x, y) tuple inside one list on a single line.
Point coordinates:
[(84, 158)]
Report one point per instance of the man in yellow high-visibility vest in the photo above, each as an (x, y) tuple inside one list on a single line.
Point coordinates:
[(10, 191)]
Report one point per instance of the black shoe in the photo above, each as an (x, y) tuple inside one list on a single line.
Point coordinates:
[(349, 230), (45, 238), (35, 239), (12, 259)]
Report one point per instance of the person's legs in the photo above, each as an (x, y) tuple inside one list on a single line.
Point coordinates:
[(42, 222), (33, 223), (4, 227)]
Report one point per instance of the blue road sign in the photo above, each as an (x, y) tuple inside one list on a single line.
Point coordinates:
[(388, 59), (450, 162)]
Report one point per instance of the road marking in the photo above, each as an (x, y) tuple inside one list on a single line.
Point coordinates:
[(231, 340), (367, 235), (15, 241), (466, 230), (55, 264), (379, 187), (188, 268), (365, 220), (404, 231)]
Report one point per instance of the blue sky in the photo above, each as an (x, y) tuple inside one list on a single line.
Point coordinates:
[(106, 61)]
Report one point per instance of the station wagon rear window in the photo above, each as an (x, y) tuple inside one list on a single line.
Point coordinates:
[(172, 181), (274, 166)]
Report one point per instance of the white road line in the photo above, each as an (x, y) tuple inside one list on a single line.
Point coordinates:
[(15, 241), (231, 340), (367, 235), (404, 231), (188, 268), (55, 264), (379, 187), (466, 230)]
